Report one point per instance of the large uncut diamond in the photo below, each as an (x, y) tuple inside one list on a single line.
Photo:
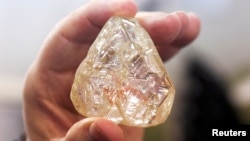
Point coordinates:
[(122, 78)]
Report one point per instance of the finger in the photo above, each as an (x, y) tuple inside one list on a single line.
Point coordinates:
[(132, 133), (171, 31), (190, 29), (82, 23), (189, 32), (163, 28), (94, 129), (68, 44)]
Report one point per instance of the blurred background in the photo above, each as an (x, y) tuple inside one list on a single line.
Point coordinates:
[(211, 76)]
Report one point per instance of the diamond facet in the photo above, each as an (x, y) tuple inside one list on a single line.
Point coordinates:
[(123, 78)]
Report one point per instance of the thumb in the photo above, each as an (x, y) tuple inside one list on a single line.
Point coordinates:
[(94, 129)]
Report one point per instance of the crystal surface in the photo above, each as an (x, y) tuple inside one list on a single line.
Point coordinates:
[(123, 78)]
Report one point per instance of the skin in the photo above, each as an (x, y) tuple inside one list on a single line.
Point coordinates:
[(48, 111)]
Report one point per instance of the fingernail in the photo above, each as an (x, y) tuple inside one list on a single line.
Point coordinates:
[(96, 133)]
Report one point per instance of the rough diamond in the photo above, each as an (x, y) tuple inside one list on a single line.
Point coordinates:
[(123, 78)]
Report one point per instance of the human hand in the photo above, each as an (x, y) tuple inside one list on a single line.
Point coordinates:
[(48, 111)]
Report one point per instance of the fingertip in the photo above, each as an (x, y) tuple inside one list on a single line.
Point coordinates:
[(127, 8), (196, 23), (100, 11), (79, 131), (163, 28), (189, 31), (105, 130), (94, 129)]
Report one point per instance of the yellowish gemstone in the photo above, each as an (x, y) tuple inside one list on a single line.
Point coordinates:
[(123, 78)]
